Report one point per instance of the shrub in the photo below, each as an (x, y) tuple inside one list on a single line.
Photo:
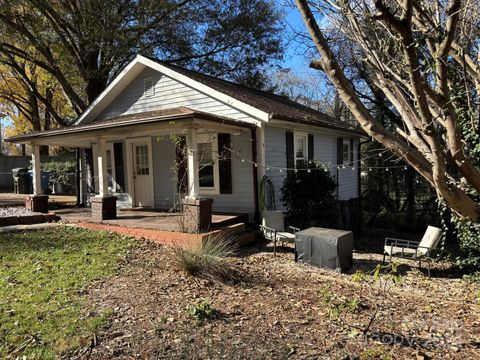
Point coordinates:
[(62, 172), (309, 197), (468, 236), (208, 260), (202, 310)]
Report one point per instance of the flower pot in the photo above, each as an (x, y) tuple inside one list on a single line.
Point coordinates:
[(59, 188)]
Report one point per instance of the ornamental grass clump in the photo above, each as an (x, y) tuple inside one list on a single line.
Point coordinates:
[(209, 261)]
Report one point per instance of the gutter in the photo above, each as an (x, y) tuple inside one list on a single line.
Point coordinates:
[(119, 124)]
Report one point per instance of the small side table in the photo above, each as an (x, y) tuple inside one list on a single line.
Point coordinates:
[(327, 248)]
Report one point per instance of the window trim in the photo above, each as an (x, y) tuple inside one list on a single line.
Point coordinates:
[(210, 139), (304, 135)]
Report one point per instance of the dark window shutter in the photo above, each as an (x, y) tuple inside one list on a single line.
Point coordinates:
[(290, 154), (310, 147), (225, 163), (119, 173), (339, 151), (181, 163), (351, 152)]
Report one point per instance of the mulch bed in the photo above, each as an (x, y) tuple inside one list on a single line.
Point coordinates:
[(277, 311)]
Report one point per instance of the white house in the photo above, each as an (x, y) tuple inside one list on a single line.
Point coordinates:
[(131, 135)]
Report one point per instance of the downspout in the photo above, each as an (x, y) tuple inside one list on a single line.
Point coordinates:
[(253, 131)]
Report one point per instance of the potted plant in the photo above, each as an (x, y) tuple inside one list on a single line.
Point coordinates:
[(62, 176)]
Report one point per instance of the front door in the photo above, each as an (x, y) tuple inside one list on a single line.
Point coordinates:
[(142, 174)]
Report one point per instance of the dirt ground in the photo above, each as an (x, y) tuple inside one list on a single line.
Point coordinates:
[(283, 310)]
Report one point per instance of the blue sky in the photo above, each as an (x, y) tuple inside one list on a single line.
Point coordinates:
[(294, 23)]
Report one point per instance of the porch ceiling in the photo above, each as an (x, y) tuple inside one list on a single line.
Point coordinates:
[(157, 122)]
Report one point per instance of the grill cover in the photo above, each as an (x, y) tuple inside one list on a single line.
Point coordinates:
[(328, 248)]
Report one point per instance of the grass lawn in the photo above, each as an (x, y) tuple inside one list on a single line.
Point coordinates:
[(43, 276)]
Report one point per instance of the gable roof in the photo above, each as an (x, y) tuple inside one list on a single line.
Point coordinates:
[(260, 105), (278, 107)]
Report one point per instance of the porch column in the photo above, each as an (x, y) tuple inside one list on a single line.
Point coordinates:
[(102, 168), (192, 148), (104, 207), (37, 175), (38, 202), (197, 212)]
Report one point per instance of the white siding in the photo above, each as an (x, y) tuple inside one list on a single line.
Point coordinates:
[(242, 197), (164, 175), (348, 178), (276, 156), (325, 151), (168, 93)]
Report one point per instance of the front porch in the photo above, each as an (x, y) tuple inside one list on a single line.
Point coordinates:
[(164, 160), (148, 219)]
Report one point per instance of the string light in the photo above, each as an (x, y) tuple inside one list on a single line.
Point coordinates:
[(325, 167)]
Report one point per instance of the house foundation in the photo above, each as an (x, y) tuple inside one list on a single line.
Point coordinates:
[(103, 208), (197, 215), (37, 203)]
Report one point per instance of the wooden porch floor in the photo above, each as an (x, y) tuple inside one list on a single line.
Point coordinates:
[(148, 219)]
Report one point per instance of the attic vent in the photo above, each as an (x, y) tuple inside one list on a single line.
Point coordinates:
[(148, 87)]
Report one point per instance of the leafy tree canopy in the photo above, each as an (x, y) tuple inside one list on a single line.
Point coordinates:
[(83, 44)]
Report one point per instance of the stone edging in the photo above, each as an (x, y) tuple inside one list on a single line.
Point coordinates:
[(162, 237), (28, 220)]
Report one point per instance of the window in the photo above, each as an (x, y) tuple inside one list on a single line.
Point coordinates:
[(300, 149), (141, 158), (208, 163), (148, 87), (346, 151)]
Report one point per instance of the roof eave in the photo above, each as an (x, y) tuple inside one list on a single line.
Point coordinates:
[(301, 121)]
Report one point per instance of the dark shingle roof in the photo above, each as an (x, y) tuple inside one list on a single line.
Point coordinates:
[(147, 117), (279, 107)]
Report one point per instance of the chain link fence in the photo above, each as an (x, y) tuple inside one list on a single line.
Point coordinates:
[(17, 184)]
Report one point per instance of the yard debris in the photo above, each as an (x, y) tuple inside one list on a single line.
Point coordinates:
[(278, 312)]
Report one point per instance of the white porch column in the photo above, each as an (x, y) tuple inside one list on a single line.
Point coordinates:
[(192, 148), (37, 175), (102, 168)]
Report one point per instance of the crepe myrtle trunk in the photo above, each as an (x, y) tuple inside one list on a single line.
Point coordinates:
[(432, 168)]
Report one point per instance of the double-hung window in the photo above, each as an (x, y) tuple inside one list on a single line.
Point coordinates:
[(208, 163), (300, 149)]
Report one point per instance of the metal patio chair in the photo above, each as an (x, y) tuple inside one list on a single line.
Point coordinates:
[(273, 229), (414, 250)]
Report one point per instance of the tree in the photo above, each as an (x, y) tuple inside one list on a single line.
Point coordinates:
[(82, 44), (410, 49), (309, 197)]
